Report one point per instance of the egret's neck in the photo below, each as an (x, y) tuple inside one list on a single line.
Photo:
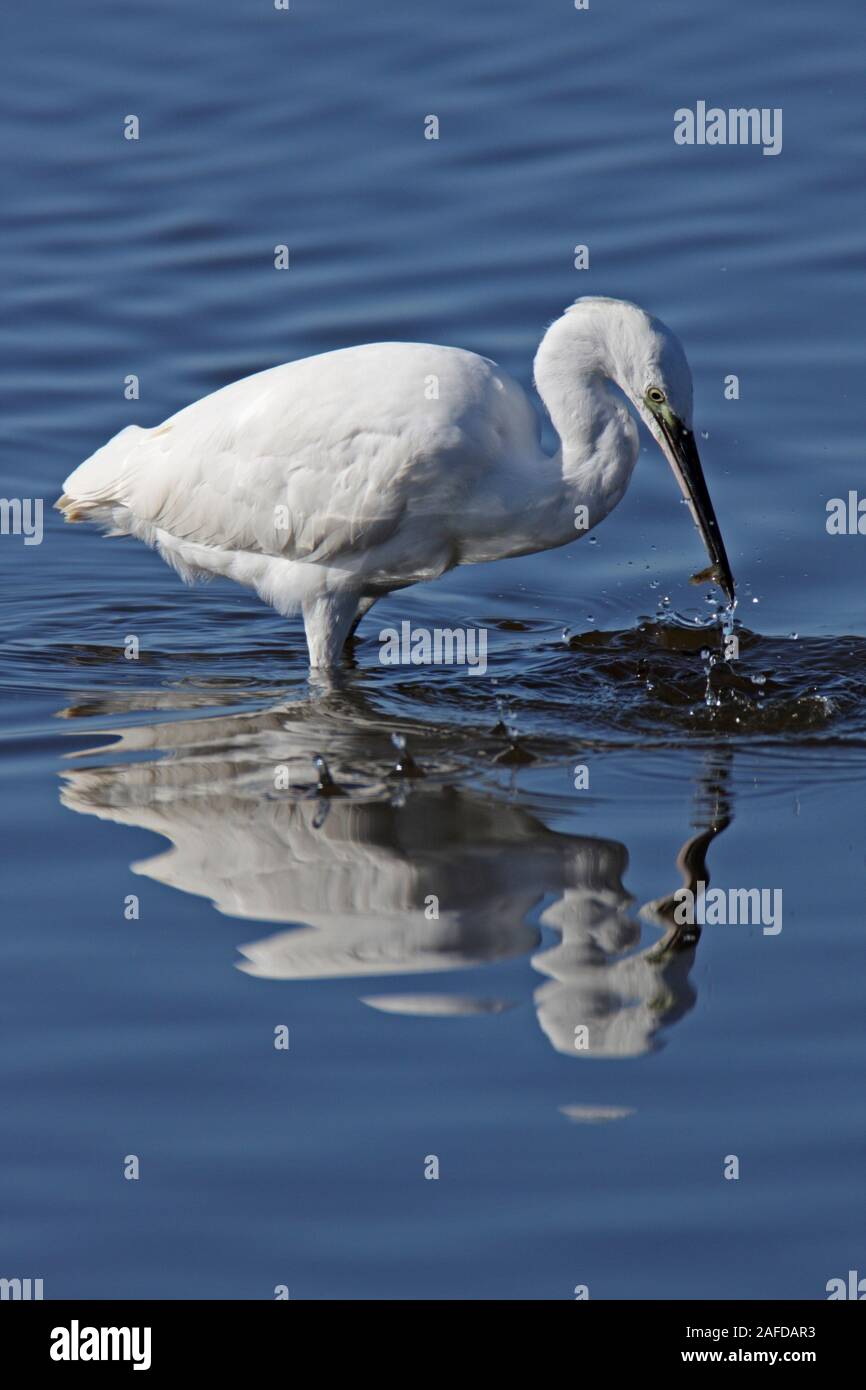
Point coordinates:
[(598, 437)]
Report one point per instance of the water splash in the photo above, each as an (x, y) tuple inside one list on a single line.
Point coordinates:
[(405, 766), (723, 621)]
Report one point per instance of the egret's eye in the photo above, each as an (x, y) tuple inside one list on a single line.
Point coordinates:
[(656, 395)]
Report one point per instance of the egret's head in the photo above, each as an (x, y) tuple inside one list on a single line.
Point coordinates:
[(646, 360)]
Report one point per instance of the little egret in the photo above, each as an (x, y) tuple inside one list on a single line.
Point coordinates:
[(327, 482)]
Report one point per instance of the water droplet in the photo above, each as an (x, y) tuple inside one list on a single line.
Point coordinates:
[(405, 765)]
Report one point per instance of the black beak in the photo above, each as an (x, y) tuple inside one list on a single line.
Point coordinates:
[(682, 454)]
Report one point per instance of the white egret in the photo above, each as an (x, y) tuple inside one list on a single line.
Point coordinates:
[(325, 483)]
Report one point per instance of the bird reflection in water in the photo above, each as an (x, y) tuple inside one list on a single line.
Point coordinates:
[(386, 879)]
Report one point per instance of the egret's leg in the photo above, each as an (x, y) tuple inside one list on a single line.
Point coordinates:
[(364, 606), (328, 619)]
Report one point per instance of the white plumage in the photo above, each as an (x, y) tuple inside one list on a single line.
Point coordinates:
[(327, 482)]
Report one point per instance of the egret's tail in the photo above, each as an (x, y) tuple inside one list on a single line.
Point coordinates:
[(98, 489)]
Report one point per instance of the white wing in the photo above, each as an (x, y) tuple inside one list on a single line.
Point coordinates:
[(323, 460)]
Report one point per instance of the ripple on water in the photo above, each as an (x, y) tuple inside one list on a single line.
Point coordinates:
[(664, 680)]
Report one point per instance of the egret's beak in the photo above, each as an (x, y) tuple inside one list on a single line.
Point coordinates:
[(681, 451)]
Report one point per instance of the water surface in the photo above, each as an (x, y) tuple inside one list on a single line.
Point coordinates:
[(265, 899)]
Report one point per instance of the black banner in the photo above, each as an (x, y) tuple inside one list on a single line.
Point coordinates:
[(79, 1339)]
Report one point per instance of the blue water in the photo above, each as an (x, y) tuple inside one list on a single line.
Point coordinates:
[(412, 1037)]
